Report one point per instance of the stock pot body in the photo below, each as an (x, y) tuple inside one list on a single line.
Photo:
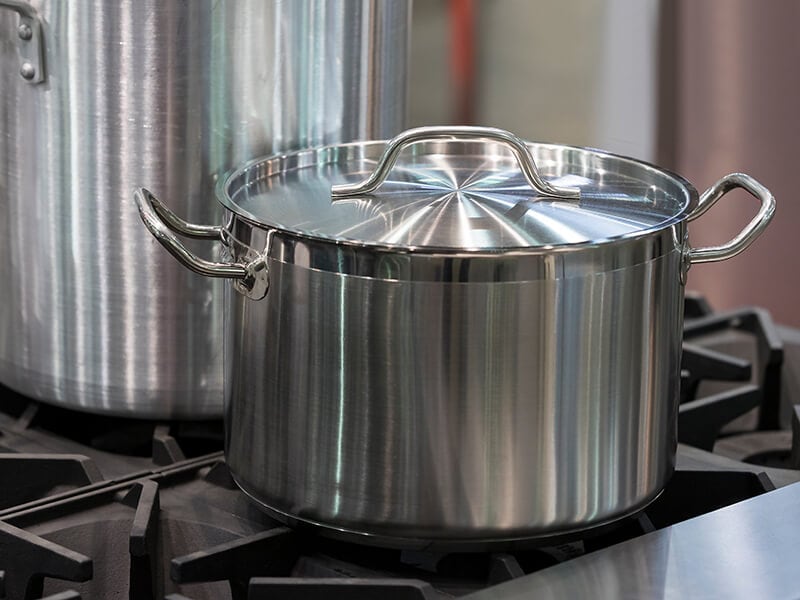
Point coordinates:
[(170, 93), (472, 405)]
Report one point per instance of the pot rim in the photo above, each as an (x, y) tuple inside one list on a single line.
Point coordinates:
[(224, 198)]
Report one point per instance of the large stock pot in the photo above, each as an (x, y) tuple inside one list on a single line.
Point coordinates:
[(97, 96), (479, 343)]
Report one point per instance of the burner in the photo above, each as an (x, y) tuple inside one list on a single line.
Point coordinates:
[(116, 445)]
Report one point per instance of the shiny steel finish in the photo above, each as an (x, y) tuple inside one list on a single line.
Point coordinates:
[(166, 93), (751, 231), (160, 221), (411, 379), (441, 413), (252, 279), (521, 152), (459, 196), (744, 551)]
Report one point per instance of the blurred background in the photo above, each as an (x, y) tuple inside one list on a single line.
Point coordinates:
[(702, 88)]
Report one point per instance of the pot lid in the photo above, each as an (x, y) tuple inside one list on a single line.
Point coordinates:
[(458, 188)]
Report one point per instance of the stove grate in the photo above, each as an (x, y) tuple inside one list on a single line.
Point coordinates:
[(117, 508)]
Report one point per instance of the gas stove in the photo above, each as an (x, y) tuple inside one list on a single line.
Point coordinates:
[(96, 507)]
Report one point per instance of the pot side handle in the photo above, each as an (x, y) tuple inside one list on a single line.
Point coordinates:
[(251, 278), (30, 41), (517, 146), (751, 231)]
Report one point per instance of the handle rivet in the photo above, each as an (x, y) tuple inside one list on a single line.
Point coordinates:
[(27, 70), (24, 31)]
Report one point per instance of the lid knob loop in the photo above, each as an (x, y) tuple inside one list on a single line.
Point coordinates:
[(424, 134)]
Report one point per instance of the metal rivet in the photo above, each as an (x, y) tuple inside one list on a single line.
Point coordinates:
[(27, 70), (24, 31)]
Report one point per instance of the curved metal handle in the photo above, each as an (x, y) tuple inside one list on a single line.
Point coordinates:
[(161, 222), (749, 233), (30, 40), (422, 134)]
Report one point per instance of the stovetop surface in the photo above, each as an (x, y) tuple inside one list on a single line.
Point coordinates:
[(99, 507)]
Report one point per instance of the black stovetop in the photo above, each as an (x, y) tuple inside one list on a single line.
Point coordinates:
[(97, 507)]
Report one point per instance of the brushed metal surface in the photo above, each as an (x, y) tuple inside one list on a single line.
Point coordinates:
[(747, 550), (427, 412), (165, 93)]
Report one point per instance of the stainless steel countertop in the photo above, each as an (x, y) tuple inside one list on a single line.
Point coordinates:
[(746, 550)]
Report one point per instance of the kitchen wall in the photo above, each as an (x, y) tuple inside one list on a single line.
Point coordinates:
[(704, 88), (575, 72), (733, 101)]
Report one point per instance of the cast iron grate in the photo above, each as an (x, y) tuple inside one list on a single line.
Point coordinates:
[(701, 419), (109, 536), (116, 446)]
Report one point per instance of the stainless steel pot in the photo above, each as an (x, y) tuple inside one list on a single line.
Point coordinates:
[(465, 353), (99, 96)]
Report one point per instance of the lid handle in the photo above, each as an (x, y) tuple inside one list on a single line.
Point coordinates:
[(423, 134)]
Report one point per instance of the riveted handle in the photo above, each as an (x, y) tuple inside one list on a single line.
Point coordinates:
[(423, 134), (30, 41), (751, 231), (251, 278)]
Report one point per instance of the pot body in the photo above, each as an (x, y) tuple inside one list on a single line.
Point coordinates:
[(169, 92), (469, 406)]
